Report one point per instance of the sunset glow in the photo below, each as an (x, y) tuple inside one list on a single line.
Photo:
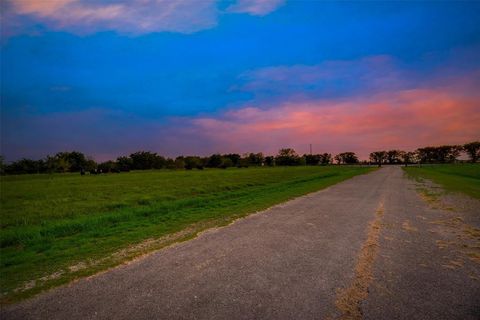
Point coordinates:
[(201, 77)]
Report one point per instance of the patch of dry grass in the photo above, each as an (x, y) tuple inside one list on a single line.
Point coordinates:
[(349, 299), (408, 227)]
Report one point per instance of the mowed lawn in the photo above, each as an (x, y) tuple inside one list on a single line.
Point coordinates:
[(58, 227), (463, 178)]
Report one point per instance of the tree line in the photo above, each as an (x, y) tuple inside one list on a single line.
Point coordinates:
[(439, 154), (145, 160)]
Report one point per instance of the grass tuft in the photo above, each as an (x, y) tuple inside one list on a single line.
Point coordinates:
[(464, 178)]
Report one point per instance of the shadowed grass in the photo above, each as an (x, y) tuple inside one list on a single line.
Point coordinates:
[(463, 178), (51, 222)]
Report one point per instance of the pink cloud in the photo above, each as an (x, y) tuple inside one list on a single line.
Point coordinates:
[(124, 16), (42, 8), (255, 7), (405, 119), (132, 17)]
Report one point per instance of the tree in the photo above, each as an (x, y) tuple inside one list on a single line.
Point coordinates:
[(270, 161), (243, 163), (301, 161), (447, 153), (350, 158), (124, 163), (2, 165), (427, 154), (90, 165), (62, 164), (317, 159), (24, 165), (407, 157), (441, 154), (50, 164), (453, 153), (235, 157), (108, 166), (338, 159), (226, 163), (179, 162), (192, 162), (214, 161), (71, 161), (393, 156), (287, 157), (255, 159), (144, 160), (312, 159), (170, 164), (346, 158), (473, 150), (77, 161), (326, 158), (378, 157)]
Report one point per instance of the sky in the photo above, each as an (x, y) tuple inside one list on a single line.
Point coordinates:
[(196, 77)]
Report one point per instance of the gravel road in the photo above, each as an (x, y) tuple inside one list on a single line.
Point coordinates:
[(370, 247)]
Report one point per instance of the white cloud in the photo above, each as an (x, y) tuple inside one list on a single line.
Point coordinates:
[(255, 7), (124, 16), (130, 17)]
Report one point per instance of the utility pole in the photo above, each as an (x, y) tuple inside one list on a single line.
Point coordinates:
[(310, 149)]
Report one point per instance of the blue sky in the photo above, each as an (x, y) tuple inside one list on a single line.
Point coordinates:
[(107, 85)]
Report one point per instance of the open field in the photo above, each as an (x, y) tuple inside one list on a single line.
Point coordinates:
[(367, 248), (463, 178), (53, 222)]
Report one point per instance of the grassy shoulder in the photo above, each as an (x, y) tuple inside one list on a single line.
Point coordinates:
[(59, 227), (464, 178)]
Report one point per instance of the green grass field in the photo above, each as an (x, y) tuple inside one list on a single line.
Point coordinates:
[(463, 178), (59, 227)]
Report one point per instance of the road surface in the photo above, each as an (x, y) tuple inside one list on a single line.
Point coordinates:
[(369, 248)]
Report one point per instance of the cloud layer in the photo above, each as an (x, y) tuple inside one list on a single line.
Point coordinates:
[(404, 119), (331, 78), (343, 76), (123, 16), (255, 7)]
